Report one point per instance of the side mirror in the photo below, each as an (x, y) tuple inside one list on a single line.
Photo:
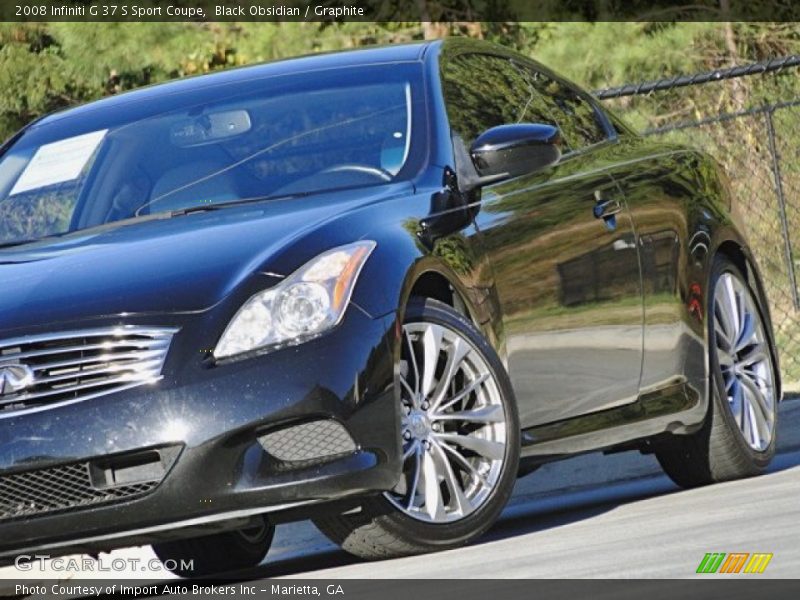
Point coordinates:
[(508, 151)]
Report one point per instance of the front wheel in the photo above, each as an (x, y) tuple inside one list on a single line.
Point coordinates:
[(217, 553), (738, 437), (461, 443)]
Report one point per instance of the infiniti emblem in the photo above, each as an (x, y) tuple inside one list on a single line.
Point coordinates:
[(14, 379)]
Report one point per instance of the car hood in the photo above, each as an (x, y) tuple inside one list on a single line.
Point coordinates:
[(181, 264)]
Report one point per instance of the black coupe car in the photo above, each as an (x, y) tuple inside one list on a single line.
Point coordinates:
[(368, 288)]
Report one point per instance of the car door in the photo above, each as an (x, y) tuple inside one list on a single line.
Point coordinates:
[(561, 244)]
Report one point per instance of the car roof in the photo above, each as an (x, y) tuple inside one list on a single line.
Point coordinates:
[(316, 62)]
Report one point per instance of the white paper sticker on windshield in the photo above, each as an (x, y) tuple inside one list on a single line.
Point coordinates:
[(58, 162)]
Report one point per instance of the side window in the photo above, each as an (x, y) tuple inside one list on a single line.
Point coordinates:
[(576, 116), (482, 91)]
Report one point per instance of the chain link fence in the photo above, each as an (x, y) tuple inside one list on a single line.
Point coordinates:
[(748, 117)]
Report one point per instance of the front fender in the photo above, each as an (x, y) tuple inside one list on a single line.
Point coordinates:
[(455, 263)]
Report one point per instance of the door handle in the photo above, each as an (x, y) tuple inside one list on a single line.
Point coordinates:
[(604, 209)]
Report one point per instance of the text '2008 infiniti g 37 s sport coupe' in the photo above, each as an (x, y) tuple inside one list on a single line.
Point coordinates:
[(368, 288)]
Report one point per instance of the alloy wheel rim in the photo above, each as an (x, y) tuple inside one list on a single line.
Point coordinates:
[(453, 424), (744, 357)]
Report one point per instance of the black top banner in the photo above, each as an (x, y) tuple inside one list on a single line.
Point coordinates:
[(398, 10)]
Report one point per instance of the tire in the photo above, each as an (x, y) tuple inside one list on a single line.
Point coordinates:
[(418, 517), (726, 447), (216, 553)]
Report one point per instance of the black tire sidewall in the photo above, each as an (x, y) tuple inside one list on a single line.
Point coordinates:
[(216, 553), (718, 398), (451, 534)]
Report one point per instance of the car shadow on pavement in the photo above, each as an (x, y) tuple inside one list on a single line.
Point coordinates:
[(556, 510), (539, 513), (327, 559)]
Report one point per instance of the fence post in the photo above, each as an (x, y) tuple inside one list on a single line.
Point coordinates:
[(776, 173)]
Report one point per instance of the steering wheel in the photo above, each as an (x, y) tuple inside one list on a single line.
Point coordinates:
[(381, 174), (336, 176)]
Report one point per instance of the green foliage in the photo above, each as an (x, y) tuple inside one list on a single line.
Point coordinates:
[(48, 66), (33, 216)]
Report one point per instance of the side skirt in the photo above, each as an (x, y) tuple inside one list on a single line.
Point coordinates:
[(675, 408)]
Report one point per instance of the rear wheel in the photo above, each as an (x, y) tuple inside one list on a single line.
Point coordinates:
[(460, 442), (216, 553), (738, 437)]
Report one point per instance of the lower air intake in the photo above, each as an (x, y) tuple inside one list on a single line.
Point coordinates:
[(308, 443), (83, 484)]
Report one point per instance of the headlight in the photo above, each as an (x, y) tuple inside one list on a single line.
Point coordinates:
[(309, 302)]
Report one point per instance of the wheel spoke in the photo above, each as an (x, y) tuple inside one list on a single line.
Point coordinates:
[(412, 397), (733, 306), (464, 393), (762, 427), (434, 505), (459, 349), (485, 414), (415, 476), (413, 358), (759, 402), (752, 423), (756, 377), (746, 420), (431, 345), (465, 465), (725, 309), (725, 360), (755, 425), (737, 403), (747, 333), (413, 448), (755, 356), (741, 306), (723, 341), (457, 497), (487, 448)]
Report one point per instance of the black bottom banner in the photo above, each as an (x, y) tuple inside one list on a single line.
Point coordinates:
[(410, 589)]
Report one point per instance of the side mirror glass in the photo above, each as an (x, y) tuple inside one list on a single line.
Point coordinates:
[(508, 151)]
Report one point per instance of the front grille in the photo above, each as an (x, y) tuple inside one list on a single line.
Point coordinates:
[(47, 370), (83, 484)]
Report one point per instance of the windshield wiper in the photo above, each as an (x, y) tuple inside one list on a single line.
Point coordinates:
[(23, 242), (220, 205), (254, 200), (193, 209), (17, 243)]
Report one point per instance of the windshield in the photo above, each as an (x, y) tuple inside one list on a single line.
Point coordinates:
[(208, 146)]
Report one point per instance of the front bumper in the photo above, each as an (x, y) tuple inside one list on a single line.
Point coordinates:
[(210, 417)]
